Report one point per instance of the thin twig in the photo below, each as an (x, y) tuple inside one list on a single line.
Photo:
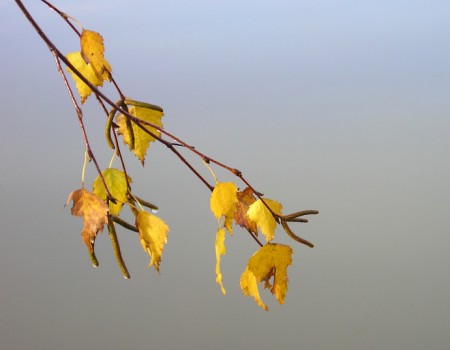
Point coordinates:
[(63, 15), (123, 223), (144, 126), (80, 121), (254, 237)]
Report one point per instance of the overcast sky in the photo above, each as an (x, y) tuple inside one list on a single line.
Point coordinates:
[(340, 106)]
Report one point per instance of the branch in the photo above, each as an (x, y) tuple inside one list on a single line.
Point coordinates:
[(80, 120), (121, 106)]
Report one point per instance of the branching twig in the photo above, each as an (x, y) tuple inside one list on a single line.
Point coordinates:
[(80, 120), (63, 15), (123, 223), (121, 107)]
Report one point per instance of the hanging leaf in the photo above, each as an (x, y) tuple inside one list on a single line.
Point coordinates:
[(220, 250), (141, 138), (117, 185), (153, 236), (268, 264), (261, 215), (223, 202), (92, 51), (90, 62), (87, 71), (94, 212), (245, 199)]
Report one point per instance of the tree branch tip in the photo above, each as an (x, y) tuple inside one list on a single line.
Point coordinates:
[(123, 223), (297, 215), (298, 220), (94, 260)]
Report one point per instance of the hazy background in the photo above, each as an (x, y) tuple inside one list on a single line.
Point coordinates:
[(341, 106)]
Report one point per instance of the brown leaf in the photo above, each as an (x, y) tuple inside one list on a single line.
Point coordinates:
[(245, 199), (94, 212)]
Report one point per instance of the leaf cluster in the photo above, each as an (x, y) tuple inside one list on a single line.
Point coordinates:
[(255, 213)]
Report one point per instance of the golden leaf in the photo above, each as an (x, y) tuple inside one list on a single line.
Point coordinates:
[(87, 71), (245, 199), (220, 250), (223, 202), (92, 51), (94, 212), (90, 62), (270, 262), (261, 215), (141, 138), (153, 236), (117, 185)]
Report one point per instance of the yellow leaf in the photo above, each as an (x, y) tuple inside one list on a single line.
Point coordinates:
[(87, 71), (223, 202), (92, 51), (94, 212), (258, 213), (117, 185), (220, 250), (269, 261), (153, 236), (141, 138)]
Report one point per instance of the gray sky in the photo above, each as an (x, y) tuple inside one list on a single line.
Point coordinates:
[(337, 106)]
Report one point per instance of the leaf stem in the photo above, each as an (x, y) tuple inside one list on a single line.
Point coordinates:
[(145, 203), (254, 237), (210, 170), (84, 168)]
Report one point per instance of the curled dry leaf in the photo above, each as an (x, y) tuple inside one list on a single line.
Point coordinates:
[(94, 212), (245, 199)]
